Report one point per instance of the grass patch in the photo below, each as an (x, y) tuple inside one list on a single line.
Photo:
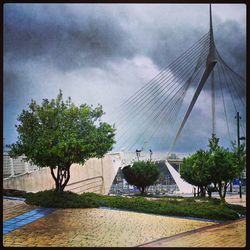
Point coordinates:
[(173, 206)]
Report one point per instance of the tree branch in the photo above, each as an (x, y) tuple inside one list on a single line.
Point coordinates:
[(53, 174)]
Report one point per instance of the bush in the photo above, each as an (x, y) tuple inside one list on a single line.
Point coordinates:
[(173, 206), (60, 200), (14, 192), (141, 174)]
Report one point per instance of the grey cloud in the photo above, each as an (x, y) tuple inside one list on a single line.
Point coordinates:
[(69, 43), (230, 39), (93, 53), (100, 33)]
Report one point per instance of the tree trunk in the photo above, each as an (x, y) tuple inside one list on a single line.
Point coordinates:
[(62, 178), (203, 191), (209, 191), (142, 191), (225, 190), (209, 194), (231, 186), (220, 190)]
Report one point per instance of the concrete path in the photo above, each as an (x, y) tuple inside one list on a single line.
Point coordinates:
[(232, 234), (97, 227), (235, 199), (13, 207)]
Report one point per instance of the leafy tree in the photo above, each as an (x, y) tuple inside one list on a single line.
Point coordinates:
[(141, 174), (195, 170), (214, 169), (56, 134), (225, 165), (239, 157), (222, 169), (213, 143)]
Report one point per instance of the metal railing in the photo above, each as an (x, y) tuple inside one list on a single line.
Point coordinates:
[(121, 188), (93, 184), (14, 167)]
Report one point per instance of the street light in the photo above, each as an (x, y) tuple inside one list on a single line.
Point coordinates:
[(238, 140)]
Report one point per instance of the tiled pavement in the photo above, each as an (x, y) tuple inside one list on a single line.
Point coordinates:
[(235, 199), (13, 208), (26, 218), (110, 228), (231, 234), (98, 227)]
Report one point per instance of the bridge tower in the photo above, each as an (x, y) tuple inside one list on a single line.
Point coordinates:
[(211, 61), (157, 112)]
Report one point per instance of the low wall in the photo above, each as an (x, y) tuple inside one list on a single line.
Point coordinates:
[(96, 175)]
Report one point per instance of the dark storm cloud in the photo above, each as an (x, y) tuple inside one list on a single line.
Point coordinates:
[(14, 96), (58, 37), (104, 53), (231, 42), (53, 33)]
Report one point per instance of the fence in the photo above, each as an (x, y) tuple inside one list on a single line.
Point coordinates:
[(122, 188), (13, 167), (94, 184)]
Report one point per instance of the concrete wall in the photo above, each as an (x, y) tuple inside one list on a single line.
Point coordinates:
[(96, 175)]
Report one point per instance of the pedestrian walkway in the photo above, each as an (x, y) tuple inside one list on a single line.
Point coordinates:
[(232, 234), (98, 228), (235, 199), (101, 227), (14, 207), (26, 218)]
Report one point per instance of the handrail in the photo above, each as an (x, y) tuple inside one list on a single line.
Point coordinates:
[(95, 177)]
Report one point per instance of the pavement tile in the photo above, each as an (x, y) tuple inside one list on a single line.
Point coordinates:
[(110, 228), (226, 235), (13, 208), (99, 228)]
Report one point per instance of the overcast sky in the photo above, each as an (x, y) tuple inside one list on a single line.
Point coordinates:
[(102, 53)]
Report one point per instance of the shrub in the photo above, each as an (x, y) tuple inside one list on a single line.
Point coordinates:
[(173, 206)]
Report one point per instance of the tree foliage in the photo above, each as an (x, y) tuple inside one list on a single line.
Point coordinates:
[(195, 170), (56, 134), (213, 169), (141, 174), (239, 157), (222, 169)]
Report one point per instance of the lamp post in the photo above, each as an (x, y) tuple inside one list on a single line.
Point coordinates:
[(238, 143)]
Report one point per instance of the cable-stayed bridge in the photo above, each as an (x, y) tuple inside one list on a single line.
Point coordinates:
[(155, 116), (157, 113)]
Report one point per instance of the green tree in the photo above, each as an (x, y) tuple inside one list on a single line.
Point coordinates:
[(225, 165), (141, 174), (214, 169), (239, 157), (222, 169), (213, 143), (195, 170), (56, 134)]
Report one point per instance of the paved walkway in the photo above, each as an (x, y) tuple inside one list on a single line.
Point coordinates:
[(98, 228), (110, 228), (235, 199), (13, 208), (231, 234)]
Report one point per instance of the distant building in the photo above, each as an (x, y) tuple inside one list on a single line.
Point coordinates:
[(164, 184)]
